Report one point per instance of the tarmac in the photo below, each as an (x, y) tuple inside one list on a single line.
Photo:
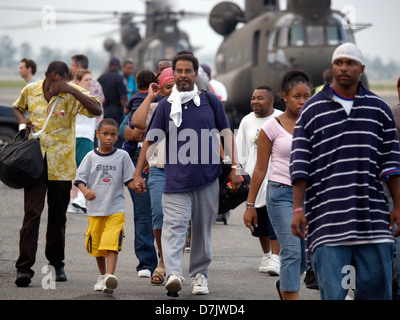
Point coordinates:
[(234, 281), (233, 273)]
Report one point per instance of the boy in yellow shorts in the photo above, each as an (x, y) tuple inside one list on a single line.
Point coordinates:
[(101, 178)]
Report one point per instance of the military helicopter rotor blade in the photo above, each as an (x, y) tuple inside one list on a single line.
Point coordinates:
[(73, 11), (38, 23), (63, 10)]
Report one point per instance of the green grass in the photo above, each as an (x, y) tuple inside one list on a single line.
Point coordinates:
[(383, 86), (12, 84)]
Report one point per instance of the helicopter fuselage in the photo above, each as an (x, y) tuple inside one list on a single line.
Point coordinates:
[(272, 43)]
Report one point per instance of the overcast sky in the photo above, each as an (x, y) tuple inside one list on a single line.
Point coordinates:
[(379, 40)]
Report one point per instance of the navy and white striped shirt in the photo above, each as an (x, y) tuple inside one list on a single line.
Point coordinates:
[(344, 157)]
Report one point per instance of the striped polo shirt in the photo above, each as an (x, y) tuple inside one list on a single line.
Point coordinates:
[(344, 159)]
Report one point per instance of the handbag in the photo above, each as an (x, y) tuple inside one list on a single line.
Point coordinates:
[(227, 199), (21, 161)]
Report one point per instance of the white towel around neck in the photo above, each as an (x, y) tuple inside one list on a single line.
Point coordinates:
[(177, 98)]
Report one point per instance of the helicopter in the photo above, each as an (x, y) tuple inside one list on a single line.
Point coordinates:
[(162, 37), (273, 41)]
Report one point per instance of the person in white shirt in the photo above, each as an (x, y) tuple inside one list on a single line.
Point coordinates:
[(262, 101)]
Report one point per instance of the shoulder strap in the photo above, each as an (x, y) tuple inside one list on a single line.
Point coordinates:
[(210, 103), (208, 97), (39, 133)]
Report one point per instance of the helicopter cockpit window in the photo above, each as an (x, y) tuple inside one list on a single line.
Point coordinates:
[(333, 35), (336, 35), (315, 35), (296, 36), (293, 32)]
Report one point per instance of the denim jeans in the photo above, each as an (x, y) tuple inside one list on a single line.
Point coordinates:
[(293, 262), (396, 294), (144, 237), (156, 184), (367, 268)]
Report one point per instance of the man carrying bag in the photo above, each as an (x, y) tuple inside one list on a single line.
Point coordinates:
[(58, 148)]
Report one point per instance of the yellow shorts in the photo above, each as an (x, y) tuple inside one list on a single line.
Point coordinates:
[(105, 233)]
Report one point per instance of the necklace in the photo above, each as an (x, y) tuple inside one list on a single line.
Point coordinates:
[(186, 106)]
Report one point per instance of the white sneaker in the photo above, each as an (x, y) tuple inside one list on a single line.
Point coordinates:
[(80, 201), (110, 283), (174, 284), (274, 265), (200, 284), (99, 286), (144, 273), (263, 268)]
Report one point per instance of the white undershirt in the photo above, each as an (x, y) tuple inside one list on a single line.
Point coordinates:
[(346, 103)]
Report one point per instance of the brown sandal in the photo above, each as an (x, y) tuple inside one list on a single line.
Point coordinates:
[(158, 276)]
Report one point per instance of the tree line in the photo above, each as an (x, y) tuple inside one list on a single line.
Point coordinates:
[(10, 55)]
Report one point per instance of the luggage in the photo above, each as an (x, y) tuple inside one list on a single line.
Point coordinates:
[(21, 162)]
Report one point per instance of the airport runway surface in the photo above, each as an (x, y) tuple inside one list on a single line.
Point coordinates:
[(233, 272)]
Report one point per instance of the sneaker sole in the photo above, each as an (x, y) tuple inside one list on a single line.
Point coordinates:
[(200, 291), (174, 286), (272, 272), (110, 284)]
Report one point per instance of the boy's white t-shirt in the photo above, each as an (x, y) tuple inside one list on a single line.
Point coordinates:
[(107, 174)]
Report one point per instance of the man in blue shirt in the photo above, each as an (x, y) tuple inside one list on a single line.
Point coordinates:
[(192, 167), (344, 144)]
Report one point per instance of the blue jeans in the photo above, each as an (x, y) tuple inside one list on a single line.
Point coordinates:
[(144, 237), (396, 295), (293, 262), (156, 184), (367, 268)]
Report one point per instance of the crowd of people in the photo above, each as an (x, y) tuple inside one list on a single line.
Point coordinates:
[(321, 172)]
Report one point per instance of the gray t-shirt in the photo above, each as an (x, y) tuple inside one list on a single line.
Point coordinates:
[(106, 174)]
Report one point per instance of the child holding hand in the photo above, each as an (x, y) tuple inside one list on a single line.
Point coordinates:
[(101, 178)]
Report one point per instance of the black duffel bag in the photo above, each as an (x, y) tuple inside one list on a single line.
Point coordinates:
[(21, 162)]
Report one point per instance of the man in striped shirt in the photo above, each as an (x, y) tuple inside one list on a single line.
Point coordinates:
[(345, 143)]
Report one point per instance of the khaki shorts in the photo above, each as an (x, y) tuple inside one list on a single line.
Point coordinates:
[(105, 233)]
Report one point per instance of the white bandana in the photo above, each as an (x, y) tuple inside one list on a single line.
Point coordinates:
[(177, 98)]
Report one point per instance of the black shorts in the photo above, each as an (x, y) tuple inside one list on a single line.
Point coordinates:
[(264, 228)]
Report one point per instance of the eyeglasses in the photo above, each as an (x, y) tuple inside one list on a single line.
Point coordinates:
[(188, 72)]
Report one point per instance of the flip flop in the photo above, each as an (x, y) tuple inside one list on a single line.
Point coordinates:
[(158, 276)]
